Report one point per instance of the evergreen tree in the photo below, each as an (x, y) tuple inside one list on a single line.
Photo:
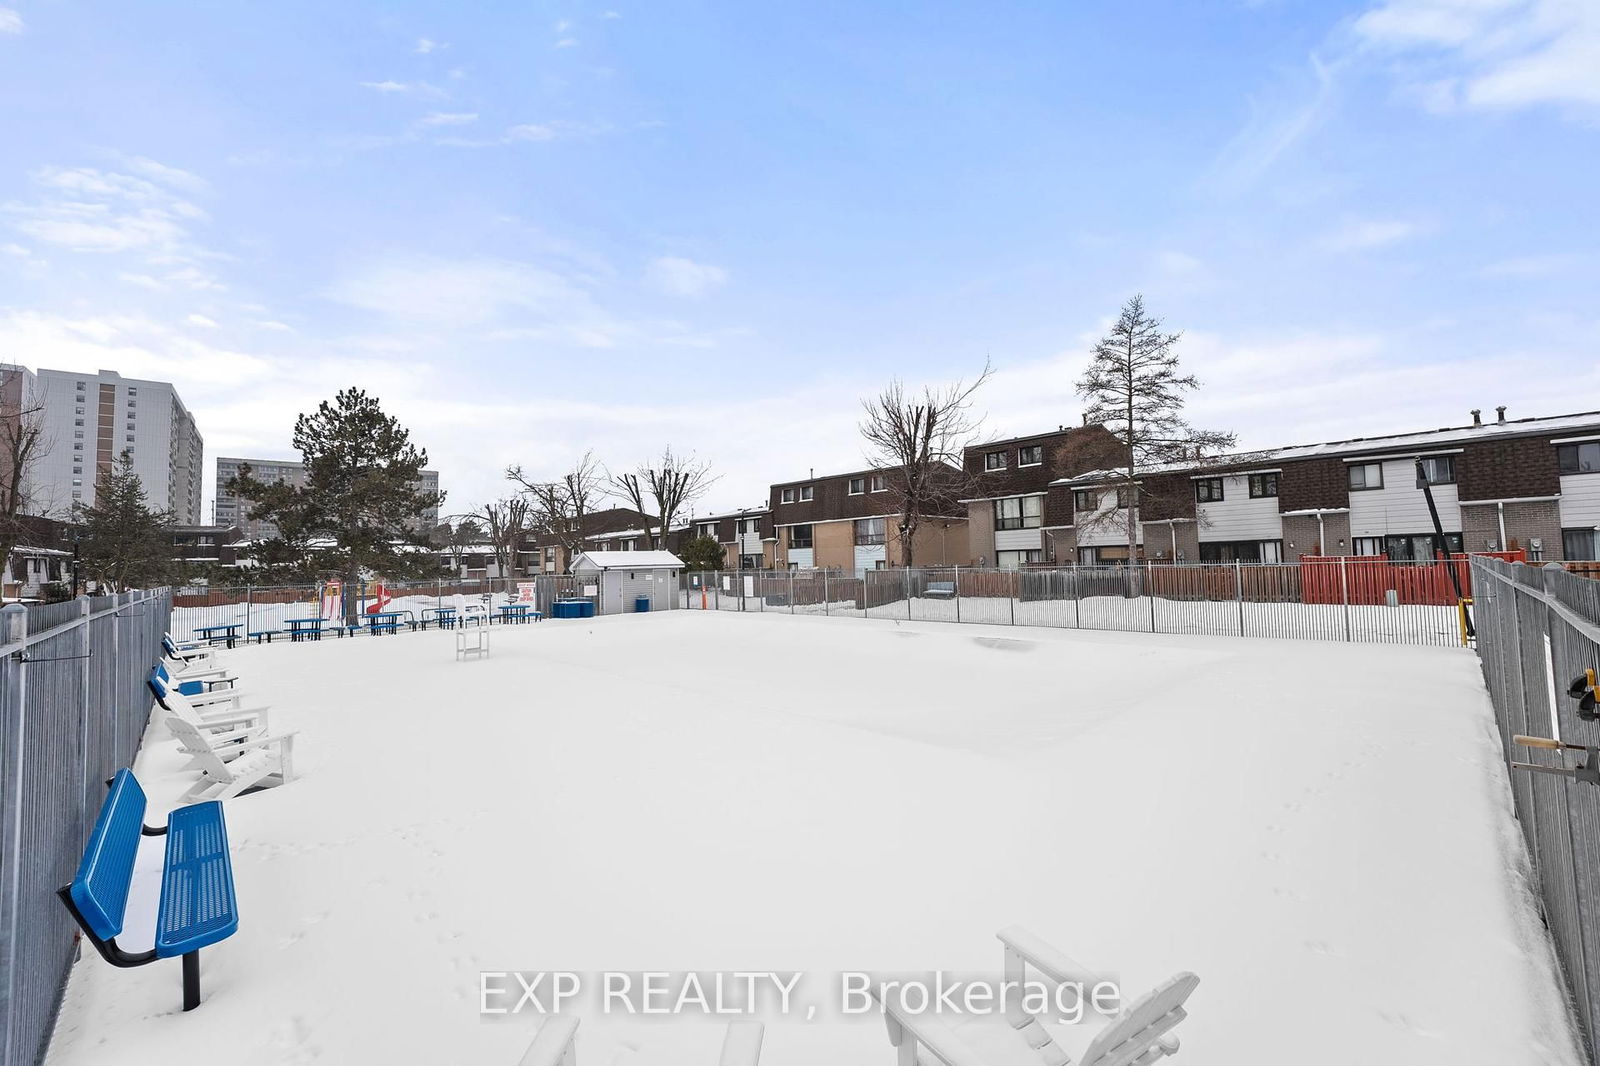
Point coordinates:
[(359, 510), (702, 553), (124, 544), (1134, 390)]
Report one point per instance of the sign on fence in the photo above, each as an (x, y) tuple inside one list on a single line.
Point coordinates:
[(525, 591)]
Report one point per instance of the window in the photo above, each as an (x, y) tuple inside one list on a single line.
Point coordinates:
[(1580, 544), (1418, 547), (1011, 560), (799, 536), (1032, 455), (1581, 458), (877, 484), (858, 485), (77, 421), (1242, 551), (78, 447), (1018, 512), (1263, 485), (806, 493), (1085, 500), (870, 531), (1124, 497), (1208, 490), (788, 495), (1439, 469), (1365, 476), (994, 460), (78, 433), (707, 529), (749, 525)]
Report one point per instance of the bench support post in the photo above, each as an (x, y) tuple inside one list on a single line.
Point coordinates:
[(191, 980)]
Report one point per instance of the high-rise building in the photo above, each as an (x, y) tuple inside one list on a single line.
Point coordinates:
[(233, 510), (91, 419)]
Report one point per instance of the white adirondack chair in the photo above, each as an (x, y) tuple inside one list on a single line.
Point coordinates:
[(188, 652), (1135, 1037), (223, 709), (260, 763), (556, 1044)]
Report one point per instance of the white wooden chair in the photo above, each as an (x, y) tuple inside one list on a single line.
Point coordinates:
[(556, 1043), (188, 652), (1135, 1037), (252, 764), (223, 709)]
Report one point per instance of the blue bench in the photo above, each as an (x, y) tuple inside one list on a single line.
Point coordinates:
[(197, 907), (260, 635)]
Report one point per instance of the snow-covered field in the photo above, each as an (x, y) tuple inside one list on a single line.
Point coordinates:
[(1320, 831)]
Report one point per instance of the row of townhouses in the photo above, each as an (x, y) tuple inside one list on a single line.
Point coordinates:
[(1529, 484)]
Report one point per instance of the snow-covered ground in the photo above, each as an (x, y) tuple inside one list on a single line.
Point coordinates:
[(1320, 831)]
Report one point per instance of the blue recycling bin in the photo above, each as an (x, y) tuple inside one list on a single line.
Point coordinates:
[(641, 604)]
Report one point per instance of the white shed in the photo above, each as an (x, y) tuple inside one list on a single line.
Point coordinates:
[(631, 580)]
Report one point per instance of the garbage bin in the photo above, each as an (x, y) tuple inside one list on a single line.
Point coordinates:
[(641, 604)]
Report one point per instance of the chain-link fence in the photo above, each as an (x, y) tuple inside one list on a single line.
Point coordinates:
[(1349, 600), (1538, 629), (73, 707)]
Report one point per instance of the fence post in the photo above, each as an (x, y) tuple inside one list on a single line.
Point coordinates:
[(1238, 591), (85, 699), (958, 593), (1344, 595), (791, 592), (1013, 577), (1077, 598), (824, 592), (13, 678), (247, 591), (1149, 591), (907, 571)]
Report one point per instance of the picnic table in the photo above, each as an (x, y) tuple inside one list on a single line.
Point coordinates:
[(445, 616), (518, 613), (229, 633), (385, 621), (304, 628)]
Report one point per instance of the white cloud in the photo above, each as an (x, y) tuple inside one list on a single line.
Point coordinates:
[(276, 327), (202, 321), (410, 88), (1492, 54), (567, 42), (172, 177), (465, 293), (426, 45), (677, 276), (1279, 121), (386, 86), (448, 118), (531, 131), (91, 210), (1359, 234), (14, 249), (10, 21), (1177, 263)]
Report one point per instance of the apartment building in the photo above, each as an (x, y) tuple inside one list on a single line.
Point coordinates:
[(207, 545), (233, 510), (850, 522), (90, 420), (1011, 521), (747, 537), (1530, 483)]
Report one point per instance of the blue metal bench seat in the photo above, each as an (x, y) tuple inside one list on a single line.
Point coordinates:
[(197, 907)]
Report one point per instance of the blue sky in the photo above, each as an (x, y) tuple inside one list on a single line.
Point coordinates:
[(539, 228)]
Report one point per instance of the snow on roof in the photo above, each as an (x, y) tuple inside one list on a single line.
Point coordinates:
[(626, 561), (1518, 427)]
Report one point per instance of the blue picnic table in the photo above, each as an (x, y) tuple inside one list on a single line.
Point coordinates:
[(445, 616), (229, 633), (385, 621), (304, 628), (518, 613)]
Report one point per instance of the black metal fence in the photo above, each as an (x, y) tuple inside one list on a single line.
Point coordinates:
[(1538, 629), (73, 708), (1346, 600)]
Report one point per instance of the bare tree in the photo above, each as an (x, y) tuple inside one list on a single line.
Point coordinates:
[(505, 522), (1135, 391), (918, 440), (664, 489), (559, 510), (23, 442), (456, 534)]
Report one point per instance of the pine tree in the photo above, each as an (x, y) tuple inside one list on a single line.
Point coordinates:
[(703, 553), (359, 511), (1135, 391), (124, 544)]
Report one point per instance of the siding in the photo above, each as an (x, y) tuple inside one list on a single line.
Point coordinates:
[(802, 557), (1580, 500), (1018, 539), (1400, 507), (1237, 517)]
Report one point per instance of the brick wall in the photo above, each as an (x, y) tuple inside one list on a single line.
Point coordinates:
[(1506, 469), (1300, 535), (1525, 523), (1313, 483)]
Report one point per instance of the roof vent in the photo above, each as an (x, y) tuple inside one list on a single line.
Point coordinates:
[(1500, 413), (1477, 416)]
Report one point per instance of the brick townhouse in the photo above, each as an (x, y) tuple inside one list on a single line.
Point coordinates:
[(747, 537), (541, 555), (1527, 483), (849, 522), (1011, 520)]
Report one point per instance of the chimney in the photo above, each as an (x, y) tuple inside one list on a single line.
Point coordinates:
[(1477, 416), (1500, 413), (813, 469)]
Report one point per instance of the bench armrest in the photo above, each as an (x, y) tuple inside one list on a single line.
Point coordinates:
[(1046, 959), (243, 719), (553, 1044)]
